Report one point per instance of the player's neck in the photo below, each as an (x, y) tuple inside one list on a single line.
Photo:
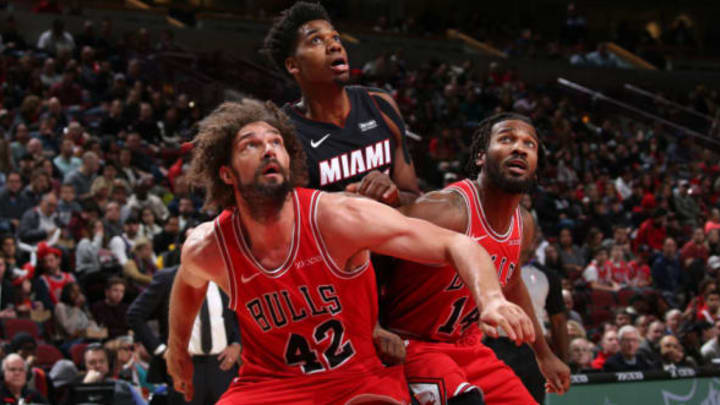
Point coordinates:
[(498, 205), (270, 231), (326, 103)]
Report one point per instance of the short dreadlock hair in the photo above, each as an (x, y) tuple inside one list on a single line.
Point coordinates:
[(213, 146), (481, 140), (281, 40)]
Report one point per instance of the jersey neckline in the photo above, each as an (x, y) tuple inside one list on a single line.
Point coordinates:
[(294, 244)]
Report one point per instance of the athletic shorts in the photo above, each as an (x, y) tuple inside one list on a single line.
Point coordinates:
[(439, 371), (385, 386)]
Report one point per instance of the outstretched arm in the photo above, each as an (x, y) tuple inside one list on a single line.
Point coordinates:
[(351, 226), (199, 266)]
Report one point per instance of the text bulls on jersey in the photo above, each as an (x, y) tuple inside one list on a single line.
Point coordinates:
[(277, 309)]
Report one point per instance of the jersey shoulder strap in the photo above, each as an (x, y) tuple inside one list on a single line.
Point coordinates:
[(386, 108)]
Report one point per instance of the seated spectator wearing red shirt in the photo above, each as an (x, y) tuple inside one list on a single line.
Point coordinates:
[(694, 249), (652, 231), (54, 278), (599, 274), (639, 269), (619, 269), (711, 313), (608, 346), (714, 221), (697, 304)]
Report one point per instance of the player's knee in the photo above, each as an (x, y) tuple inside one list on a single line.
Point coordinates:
[(472, 397)]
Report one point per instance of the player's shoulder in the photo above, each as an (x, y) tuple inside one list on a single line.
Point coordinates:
[(201, 244), (445, 208)]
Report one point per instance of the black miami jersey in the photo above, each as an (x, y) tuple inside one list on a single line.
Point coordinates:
[(338, 156)]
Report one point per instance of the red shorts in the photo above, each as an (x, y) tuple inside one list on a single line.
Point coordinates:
[(385, 386), (438, 371)]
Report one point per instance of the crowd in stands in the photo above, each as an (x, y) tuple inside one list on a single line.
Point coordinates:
[(93, 202)]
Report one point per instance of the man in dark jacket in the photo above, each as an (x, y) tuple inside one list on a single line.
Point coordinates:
[(628, 359), (12, 203), (39, 223)]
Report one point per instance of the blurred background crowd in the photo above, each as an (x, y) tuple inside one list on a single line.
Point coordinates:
[(93, 200)]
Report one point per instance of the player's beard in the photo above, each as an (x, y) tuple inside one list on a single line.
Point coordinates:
[(265, 200), (507, 183)]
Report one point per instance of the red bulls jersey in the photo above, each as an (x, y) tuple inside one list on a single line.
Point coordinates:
[(431, 302), (305, 317)]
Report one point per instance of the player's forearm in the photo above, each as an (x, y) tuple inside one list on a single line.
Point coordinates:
[(185, 303), (560, 340), (406, 197), (476, 269), (518, 294)]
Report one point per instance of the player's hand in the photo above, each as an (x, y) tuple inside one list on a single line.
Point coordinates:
[(556, 373), (389, 346), (500, 312), (229, 356), (180, 368), (378, 186)]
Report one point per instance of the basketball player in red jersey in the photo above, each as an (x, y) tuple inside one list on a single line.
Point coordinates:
[(354, 136), (295, 264), (445, 359)]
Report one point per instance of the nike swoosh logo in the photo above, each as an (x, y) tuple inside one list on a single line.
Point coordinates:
[(317, 143), (479, 238), (246, 280)]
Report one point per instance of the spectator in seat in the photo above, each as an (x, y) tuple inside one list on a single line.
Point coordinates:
[(694, 249), (581, 351), (686, 207), (143, 199), (148, 226), (652, 231), (609, 346), (12, 203), (673, 318), (111, 311), (711, 312), (54, 278), (169, 235), (26, 346), (628, 359), (97, 364), (667, 274), (569, 304), (39, 185), (598, 273), (713, 222), (82, 178), (68, 91), (56, 39), (67, 206), (710, 350), (141, 265), (639, 270), (650, 346), (62, 374), (14, 389), (121, 245), (672, 354), (570, 254), (112, 220), (72, 317)]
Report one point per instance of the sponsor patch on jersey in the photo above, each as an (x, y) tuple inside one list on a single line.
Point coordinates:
[(367, 125), (514, 242)]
